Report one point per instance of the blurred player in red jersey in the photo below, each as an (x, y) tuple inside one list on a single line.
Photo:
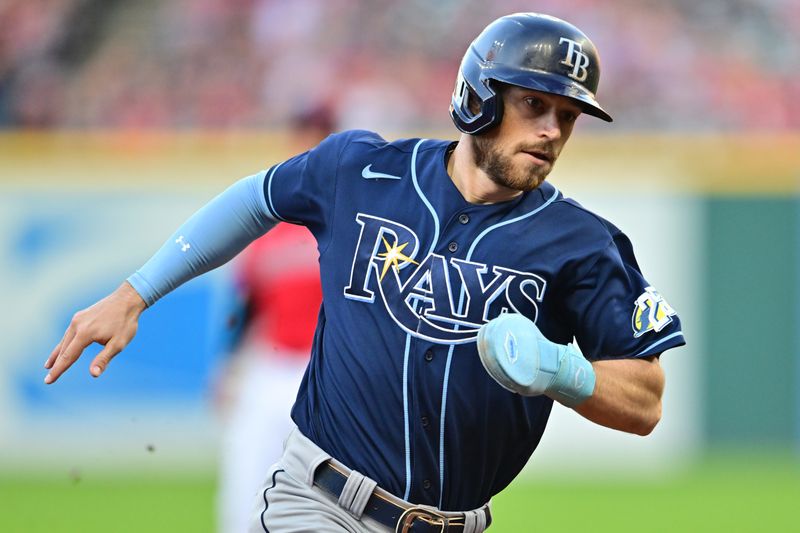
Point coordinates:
[(278, 278)]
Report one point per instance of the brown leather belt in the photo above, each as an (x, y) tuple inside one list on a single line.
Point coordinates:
[(404, 519)]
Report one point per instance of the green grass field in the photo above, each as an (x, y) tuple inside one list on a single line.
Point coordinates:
[(736, 494)]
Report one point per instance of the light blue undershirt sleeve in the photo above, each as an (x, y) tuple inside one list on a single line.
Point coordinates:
[(208, 239)]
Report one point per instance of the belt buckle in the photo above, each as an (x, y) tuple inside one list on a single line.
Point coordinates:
[(412, 514)]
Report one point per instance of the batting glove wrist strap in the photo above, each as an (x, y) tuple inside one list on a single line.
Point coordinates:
[(574, 382), (516, 354)]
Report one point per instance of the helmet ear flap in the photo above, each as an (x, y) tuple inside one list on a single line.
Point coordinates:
[(471, 112), (497, 103)]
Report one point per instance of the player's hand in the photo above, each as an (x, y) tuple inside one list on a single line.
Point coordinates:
[(111, 322), (513, 351), (521, 359)]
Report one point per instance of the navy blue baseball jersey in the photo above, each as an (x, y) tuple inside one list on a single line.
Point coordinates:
[(410, 270)]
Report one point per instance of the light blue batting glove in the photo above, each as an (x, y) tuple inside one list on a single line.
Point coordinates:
[(516, 354)]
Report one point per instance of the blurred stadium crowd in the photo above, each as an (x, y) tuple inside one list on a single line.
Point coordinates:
[(680, 65)]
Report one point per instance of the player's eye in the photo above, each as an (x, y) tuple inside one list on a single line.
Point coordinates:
[(534, 103), (568, 117)]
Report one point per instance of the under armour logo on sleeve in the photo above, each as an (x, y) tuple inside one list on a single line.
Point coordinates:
[(184, 245)]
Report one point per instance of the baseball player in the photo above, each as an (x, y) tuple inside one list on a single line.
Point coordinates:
[(454, 279)]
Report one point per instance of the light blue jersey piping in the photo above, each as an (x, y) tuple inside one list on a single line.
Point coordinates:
[(665, 339), (408, 335), (452, 347), (406, 422), (422, 196), (269, 193)]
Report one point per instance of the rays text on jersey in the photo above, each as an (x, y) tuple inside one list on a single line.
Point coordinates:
[(434, 298)]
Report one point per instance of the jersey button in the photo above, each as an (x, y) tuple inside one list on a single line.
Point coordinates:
[(463, 218), (453, 246), (424, 421), (426, 484), (429, 355)]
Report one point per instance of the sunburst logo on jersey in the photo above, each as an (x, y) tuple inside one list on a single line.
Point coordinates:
[(650, 312), (393, 255)]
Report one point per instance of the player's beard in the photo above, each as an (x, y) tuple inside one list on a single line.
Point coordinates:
[(501, 169)]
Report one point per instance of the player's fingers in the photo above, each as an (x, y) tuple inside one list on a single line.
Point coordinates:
[(100, 362), (52, 357), (70, 353), (68, 334)]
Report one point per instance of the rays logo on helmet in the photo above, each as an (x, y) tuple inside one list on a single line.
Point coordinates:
[(575, 59), (650, 312)]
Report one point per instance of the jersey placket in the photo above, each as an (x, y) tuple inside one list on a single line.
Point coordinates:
[(429, 369)]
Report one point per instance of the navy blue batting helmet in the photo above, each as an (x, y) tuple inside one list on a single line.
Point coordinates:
[(529, 50)]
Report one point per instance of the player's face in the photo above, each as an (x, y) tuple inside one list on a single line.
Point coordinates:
[(521, 151)]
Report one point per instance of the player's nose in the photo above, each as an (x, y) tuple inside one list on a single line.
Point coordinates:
[(548, 126)]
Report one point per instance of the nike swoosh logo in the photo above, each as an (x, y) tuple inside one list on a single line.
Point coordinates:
[(368, 174)]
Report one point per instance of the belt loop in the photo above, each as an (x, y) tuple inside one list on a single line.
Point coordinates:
[(313, 464), (475, 521), (356, 492), (469, 522)]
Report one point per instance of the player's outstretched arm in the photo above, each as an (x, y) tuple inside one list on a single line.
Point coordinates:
[(211, 237), (111, 322), (622, 394)]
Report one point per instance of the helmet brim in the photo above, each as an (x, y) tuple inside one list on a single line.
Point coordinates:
[(554, 84)]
